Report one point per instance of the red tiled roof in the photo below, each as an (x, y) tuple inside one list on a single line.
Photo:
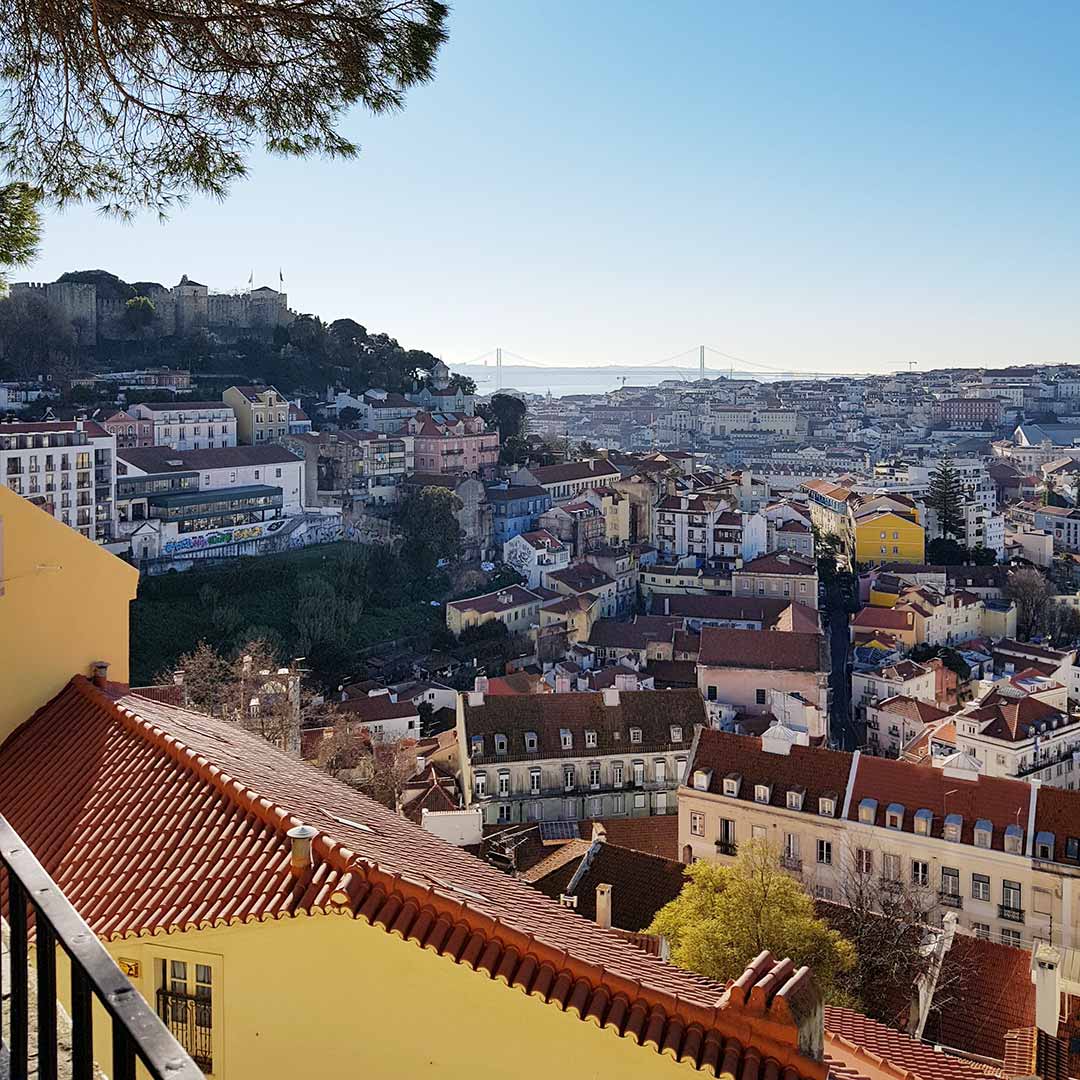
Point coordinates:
[(1001, 801), (921, 711), (769, 650), (375, 708), (884, 618), (778, 562), (492, 601), (93, 785), (1012, 719), (1057, 811), (657, 834), (850, 1036)]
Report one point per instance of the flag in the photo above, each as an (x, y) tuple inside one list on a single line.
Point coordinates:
[(280, 277)]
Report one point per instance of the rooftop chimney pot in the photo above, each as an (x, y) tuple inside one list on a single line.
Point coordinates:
[(101, 672), (301, 837), (603, 906)]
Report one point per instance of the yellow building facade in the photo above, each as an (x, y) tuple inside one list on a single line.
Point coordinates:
[(63, 607), (889, 537)]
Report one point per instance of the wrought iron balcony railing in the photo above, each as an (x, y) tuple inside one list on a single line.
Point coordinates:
[(137, 1032)]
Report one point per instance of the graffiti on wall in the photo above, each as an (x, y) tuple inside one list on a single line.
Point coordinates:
[(207, 541)]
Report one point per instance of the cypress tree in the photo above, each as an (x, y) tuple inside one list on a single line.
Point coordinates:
[(946, 498)]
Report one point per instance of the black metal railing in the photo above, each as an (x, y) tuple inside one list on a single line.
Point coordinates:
[(727, 847), (137, 1032), (190, 1019), (950, 899)]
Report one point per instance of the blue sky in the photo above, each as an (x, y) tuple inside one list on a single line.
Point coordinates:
[(811, 186)]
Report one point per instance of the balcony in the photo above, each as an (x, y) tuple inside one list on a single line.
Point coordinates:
[(137, 1033), (1010, 914), (791, 862), (950, 900), (726, 847)]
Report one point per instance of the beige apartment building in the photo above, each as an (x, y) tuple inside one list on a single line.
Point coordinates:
[(778, 576), (516, 608), (562, 757), (1002, 854), (262, 414)]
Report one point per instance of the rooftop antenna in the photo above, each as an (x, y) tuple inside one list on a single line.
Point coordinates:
[(911, 365)]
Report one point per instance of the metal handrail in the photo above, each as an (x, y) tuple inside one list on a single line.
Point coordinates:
[(137, 1031)]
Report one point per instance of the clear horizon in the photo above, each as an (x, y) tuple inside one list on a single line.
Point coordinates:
[(842, 189)]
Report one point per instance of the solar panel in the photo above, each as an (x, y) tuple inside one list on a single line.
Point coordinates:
[(557, 831)]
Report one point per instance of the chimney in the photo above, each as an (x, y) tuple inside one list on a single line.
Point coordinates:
[(1045, 961), (480, 684), (178, 677), (599, 833), (603, 907), (562, 684), (667, 605), (301, 837), (611, 696), (101, 673)]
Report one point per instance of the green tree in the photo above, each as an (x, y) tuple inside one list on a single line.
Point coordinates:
[(139, 314), (463, 383), (946, 498), (138, 104), (429, 528), (20, 226), (1030, 591), (726, 915), (505, 413)]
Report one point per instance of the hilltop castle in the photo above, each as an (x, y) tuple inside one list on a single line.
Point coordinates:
[(184, 309)]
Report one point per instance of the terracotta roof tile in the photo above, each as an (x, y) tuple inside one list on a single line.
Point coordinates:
[(92, 785), (769, 650)]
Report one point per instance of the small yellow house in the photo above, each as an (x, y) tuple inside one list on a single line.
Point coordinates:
[(889, 536), (63, 608), (516, 608)]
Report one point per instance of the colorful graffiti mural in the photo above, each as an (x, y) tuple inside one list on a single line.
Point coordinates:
[(205, 541)]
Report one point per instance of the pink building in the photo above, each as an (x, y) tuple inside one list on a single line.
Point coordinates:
[(129, 430), (452, 443)]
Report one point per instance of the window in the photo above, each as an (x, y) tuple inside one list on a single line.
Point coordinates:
[(762, 793), (890, 867), (676, 733), (504, 783), (1011, 937), (759, 832), (983, 833), (923, 822), (480, 784), (504, 812), (530, 742), (635, 734), (639, 802), (824, 852), (981, 930), (867, 811), (823, 892), (795, 799), (697, 824), (826, 807), (791, 847), (568, 777), (660, 770), (1011, 895), (731, 786), (711, 693), (639, 773), (726, 837), (594, 775), (759, 697), (534, 781), (617, 774), (500, 744), (950, 881), (864, 860), (476, 744), (618, 804), (185, 1002), (590, 738), (566, 739), (920, 872)]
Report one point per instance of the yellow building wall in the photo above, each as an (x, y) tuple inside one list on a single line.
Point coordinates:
[(63, 605), (910, 541), (882, 599), (324, 995), (245, 434)]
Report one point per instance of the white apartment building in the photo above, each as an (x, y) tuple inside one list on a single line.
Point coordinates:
[(1002, 854), (563, 757), (189, 425), (893, 722), (905, 679), (67, 467), (533, 554)]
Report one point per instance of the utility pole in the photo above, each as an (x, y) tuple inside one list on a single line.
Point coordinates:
[(701, 355), (498, 368)]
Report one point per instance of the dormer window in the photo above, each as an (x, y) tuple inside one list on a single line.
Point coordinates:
[(762, 793), (924, 820), (868, 811), (1044, 845), (984, 832), (954, 828), (476, 746), (676, 733), (500, 744), (566, 739), (732, 784), (635, 734), (531, 742), (1014, 839), (795, 798), (590, 738), (827, 806)]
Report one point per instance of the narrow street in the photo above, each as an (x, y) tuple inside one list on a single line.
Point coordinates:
[(841, 729)]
